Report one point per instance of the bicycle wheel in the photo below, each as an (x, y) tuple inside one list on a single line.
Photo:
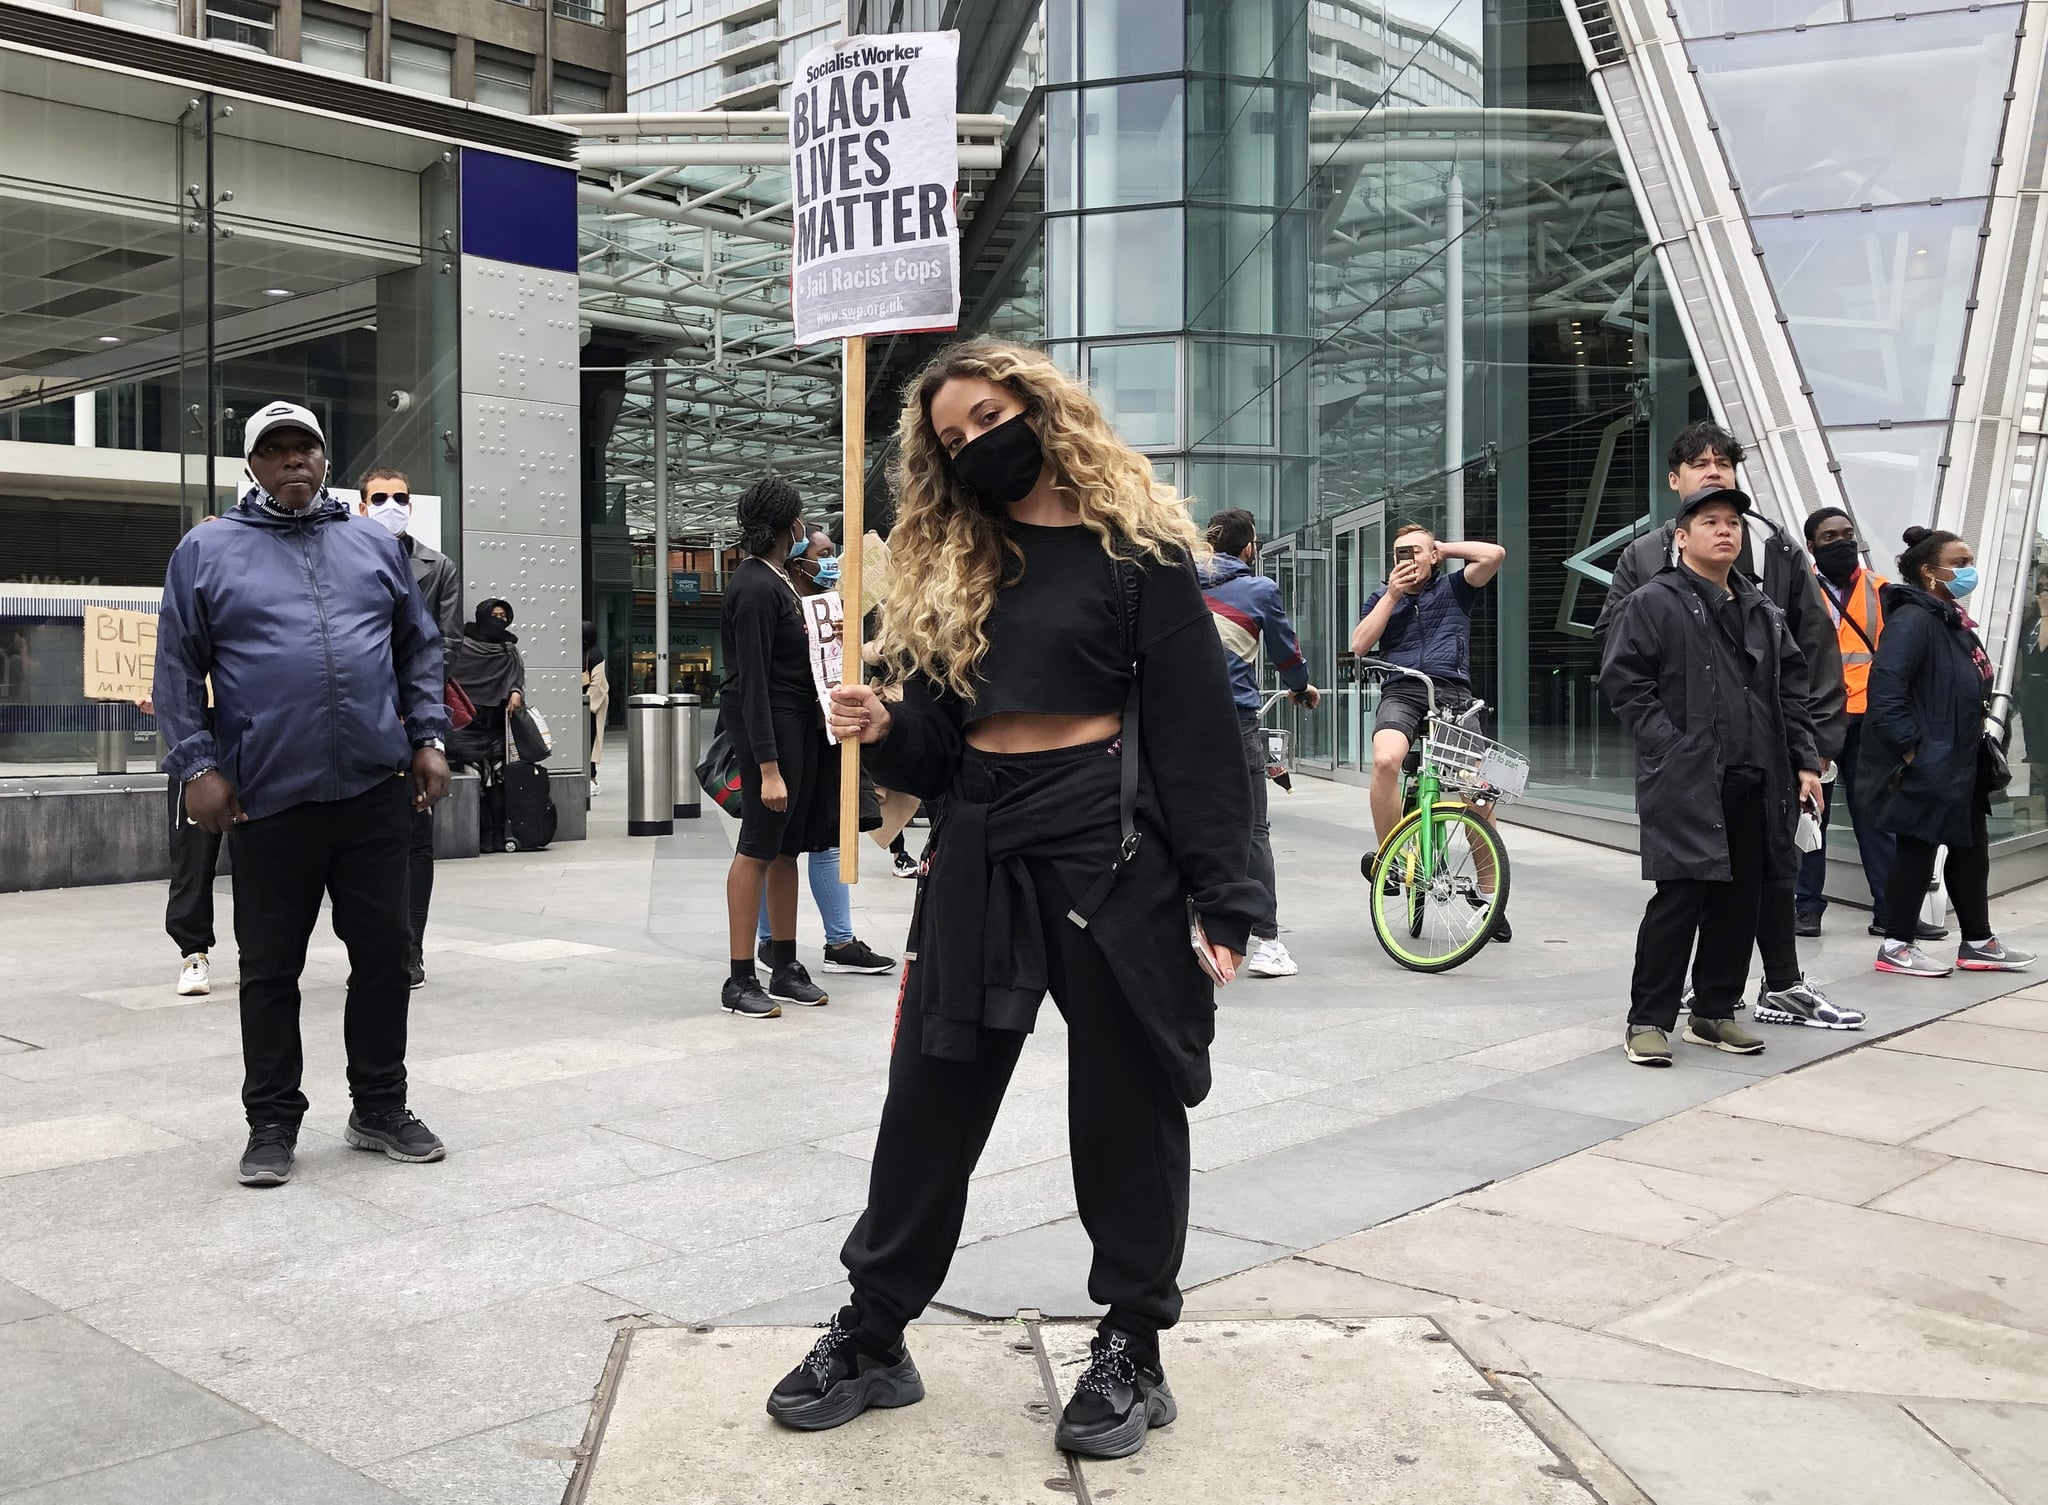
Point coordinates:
[(1438, 917)]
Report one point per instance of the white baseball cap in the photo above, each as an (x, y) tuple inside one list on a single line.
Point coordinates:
[(280, 415)]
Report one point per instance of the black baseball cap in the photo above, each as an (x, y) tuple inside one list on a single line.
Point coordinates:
[(1738, 500)]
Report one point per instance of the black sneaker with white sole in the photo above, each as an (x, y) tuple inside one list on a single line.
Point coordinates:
[(905, 865), (1685, 1002), (1803, 1003), (397, 1133), (842, 1376), (1117, 1400), (856, 956), (744, 997), (790, 983), (268, 1159)]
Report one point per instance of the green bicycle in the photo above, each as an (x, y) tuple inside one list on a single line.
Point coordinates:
[(1440, 879)]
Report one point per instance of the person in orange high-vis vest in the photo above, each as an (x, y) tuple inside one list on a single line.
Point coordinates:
[(1851, 592)]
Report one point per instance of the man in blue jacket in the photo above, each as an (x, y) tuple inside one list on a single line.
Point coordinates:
[(327, 731), (1248, 612)]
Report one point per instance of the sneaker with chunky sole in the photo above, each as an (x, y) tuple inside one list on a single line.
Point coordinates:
[(1270, 958), (841, 1377), (1115, 1403), (1685, 1002), (790, 983), (857, 956), (1992, 956), (1909, 961), (1922, 931), (1806, 923), (268, 1159), (416, 970), (196, 980), (905, 865), (744, 997), (1722, 1034), (397, 1133), (1803, 1003), (1647, 1046)]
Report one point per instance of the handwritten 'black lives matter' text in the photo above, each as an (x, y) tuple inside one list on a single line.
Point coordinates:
[(839, 145)]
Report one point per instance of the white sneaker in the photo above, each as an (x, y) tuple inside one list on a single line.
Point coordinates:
[(1270, 959), (194, 981), (593, 786)]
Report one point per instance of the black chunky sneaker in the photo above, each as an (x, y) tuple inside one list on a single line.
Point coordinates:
[(1115, 1403), (790, 983), (268, 1159), (841, 1377), (857, 956), (397, 1133), (743, 996), (416, 969)]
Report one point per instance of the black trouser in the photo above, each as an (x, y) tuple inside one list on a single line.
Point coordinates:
[(1721, 917), (188, 917), (1128, 1134), (1263, 871), (1967, 873), (1873, 847), (354, 851), (419, 874), (1776, 942)]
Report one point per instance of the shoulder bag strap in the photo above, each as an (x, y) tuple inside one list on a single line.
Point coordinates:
[(1129, 586)]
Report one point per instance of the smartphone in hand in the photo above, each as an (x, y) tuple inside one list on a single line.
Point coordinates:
[(1198, 938)]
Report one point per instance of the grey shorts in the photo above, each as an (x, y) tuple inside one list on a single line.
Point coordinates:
[(1404, 706)]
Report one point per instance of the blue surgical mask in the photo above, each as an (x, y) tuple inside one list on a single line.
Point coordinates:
[(1962, 582), (801, 547), (828, 572)]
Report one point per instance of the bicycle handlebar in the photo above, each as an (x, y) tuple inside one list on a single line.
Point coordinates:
[(1381, 666)]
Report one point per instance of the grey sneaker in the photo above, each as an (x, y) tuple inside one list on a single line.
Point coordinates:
[(1646, 1046), (397, 1133), (1992, 956), (1685, 1001), (1909, 961), (1803, 1003), (1722, 1034), (268, 1159)]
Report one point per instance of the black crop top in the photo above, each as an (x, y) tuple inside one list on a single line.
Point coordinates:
[(1056, 644)]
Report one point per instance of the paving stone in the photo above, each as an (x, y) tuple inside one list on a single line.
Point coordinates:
[(1225, 1140), (262, 1464), (732, 1277), (455, 1378), (1607, 1085), (1012, 1201), (523, 1065), (1822, 1337), (2008, 1445), (1551, 1350), (16, 1304), (2024, 1048), (1235, 1088), (1347, 1053), (1270, 1410), (1413, 1087), (1820, 1165), (710, 1206), (1303, 1288), (1605, 1482), (2020, 1011), (1962, 1084), (1617, 1197), (2000, 1136), (76, 1400), (1551, 1047), (1814, 1449), (1827, 1103), (726, 1128), (983, 1431), (200, 1328), (497, 1177), (1315, 1192), (1479, 1135), (71, 1141), (527, 1463), (1565, 1274), (1990, 1198), (1047, 1267)]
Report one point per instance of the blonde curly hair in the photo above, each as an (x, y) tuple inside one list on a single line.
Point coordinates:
[(946, 552)]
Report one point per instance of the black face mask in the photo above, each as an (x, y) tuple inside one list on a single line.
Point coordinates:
[(1002, 465), (1837, 560)]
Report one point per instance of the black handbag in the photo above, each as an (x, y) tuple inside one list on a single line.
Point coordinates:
[(718, 772), (527, 739), (1997, 730)]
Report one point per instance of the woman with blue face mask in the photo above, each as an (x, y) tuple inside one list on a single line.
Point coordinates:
[(1925, 774)]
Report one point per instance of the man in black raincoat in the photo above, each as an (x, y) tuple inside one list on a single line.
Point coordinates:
[(1706, 677)]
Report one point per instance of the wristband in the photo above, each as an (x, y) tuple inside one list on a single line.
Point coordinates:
[(211, 768)]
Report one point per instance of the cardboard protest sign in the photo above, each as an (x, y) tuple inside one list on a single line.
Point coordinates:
[(825, 625), (120, 653), (874, 158)]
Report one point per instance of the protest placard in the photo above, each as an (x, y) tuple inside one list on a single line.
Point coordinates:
[(873, 160), (120, 653), (825, 626)]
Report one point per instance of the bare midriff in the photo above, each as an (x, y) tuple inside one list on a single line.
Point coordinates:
[(1028, 732)]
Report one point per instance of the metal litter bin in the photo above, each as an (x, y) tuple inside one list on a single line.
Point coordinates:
[(682, 710), (650, 767)]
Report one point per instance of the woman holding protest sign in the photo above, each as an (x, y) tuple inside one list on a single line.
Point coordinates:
[(769, 707), (1043, 608)]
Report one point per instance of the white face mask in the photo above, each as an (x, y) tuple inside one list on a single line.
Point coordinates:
[(393, 517)]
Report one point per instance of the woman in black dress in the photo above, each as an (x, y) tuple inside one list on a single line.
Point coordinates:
[(789, 781), (1042, 609)]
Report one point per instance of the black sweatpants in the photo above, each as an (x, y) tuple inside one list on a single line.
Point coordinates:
[(1127, 1127), (354, 852), (1721, 917), (419, 874), (188, 916), (1967, 872)]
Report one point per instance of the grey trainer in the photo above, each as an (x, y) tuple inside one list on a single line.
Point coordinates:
[(1722, 1034), (1646, 1046)]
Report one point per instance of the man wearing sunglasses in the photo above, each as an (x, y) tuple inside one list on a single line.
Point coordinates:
[(385, 497)]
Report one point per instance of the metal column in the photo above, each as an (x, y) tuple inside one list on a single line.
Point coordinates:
[(650, 767), (662, 583), (682, 715)]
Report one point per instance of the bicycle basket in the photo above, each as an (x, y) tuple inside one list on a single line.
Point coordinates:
[(1463, 759), (1279, 748)]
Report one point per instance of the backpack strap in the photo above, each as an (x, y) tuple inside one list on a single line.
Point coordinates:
[(1130, 591)]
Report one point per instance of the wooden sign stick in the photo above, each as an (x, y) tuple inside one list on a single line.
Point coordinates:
[(853, 413)]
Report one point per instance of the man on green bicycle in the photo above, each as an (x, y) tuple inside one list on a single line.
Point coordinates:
[(1421, 619)]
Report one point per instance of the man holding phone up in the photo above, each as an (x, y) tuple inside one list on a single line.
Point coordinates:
[(1422, 619)]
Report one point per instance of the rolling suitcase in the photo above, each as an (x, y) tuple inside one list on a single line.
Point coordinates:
[(529, 807)]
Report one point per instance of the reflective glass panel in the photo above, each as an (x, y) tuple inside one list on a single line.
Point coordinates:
[(1230, 392), (1135, 384), (422, 67), (1130, 141), (1816, 119), (1131, 271), (1890, 475), (1713, 18), (1124, 37), (335, 46), (1876, 304)]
